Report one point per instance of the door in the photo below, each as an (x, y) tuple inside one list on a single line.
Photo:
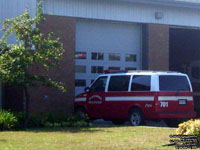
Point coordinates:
[(103, 45), (122, 95), (144, 95), (175, 94), (116, 105), (96, 97)]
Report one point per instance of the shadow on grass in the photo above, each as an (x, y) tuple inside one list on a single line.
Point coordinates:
[(150, 124), (2, 141), (101, 126), (67, 129), (96, 127), (92, 129)]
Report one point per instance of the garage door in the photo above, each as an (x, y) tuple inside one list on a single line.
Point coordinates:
[(105, 45)]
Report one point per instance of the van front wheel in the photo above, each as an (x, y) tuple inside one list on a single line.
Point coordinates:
[(136, 117), (81, 112)]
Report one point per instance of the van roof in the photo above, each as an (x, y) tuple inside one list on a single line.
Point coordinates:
[(143, 72)]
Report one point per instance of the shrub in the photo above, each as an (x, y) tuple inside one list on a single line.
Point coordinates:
[(48, 124), (77, 120), (7, 120), (21, 119), (52, 118), (191, 127), (68, 121), (34, 121)]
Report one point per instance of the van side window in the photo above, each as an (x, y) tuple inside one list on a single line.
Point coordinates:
[(173, 83), (141, 83), (119, 83), (99, 85)]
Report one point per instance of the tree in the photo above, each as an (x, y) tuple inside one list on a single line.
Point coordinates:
[(32, 47)]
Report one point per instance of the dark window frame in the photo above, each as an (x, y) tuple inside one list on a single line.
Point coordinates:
[(99, 57), (97, 68), (174, 90), (80, 82), (149, 85), (114, 68), (119, 90), (128, 58), (96, 81), (80, 53), (114, 57)]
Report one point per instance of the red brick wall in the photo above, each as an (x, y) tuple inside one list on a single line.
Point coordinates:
[(158, 46), (45, 99)]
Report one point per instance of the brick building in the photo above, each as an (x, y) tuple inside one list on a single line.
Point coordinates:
[(110, 34)]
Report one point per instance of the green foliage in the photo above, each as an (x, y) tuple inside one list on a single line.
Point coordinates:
[(191, 127), (32, 48), (7, 120), (34, 121), (52, 118), (73, 120), (16, 120), (76, 120)]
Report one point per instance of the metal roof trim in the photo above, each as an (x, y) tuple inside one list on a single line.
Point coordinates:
[(173, 3)]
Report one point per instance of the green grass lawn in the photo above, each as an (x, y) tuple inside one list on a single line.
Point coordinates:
[(113, 137)]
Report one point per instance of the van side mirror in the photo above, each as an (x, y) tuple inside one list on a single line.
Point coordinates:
[(87, 89)]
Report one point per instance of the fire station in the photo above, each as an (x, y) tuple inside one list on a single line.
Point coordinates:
[(110, 34)]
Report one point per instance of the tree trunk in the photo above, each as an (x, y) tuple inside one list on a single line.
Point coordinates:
[(27, 105)]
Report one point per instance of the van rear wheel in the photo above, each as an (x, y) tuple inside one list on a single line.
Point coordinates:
[(136, 117)]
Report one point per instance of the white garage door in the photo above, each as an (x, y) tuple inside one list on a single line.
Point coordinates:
[(105, 45)]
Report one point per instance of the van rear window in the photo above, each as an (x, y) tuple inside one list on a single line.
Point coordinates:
[(173, 83)]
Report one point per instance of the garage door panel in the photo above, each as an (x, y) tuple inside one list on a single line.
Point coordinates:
[(104, 45), (108, 38)]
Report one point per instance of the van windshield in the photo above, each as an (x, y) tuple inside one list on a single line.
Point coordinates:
[(174, 83)]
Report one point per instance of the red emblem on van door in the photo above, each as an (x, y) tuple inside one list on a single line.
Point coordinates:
[(95, 99)]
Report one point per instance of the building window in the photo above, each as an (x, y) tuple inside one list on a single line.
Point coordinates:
[(131, 57), (114, 57), (97, 69), (114, 68), (80, 55), (97, 56), (129, 68), (141, 83), (119, 83), (80, 83), (80, 69)]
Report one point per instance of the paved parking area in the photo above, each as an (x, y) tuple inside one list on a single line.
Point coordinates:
[(100, 122)]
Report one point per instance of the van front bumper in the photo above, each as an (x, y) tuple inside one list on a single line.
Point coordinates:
[(176, 115)]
